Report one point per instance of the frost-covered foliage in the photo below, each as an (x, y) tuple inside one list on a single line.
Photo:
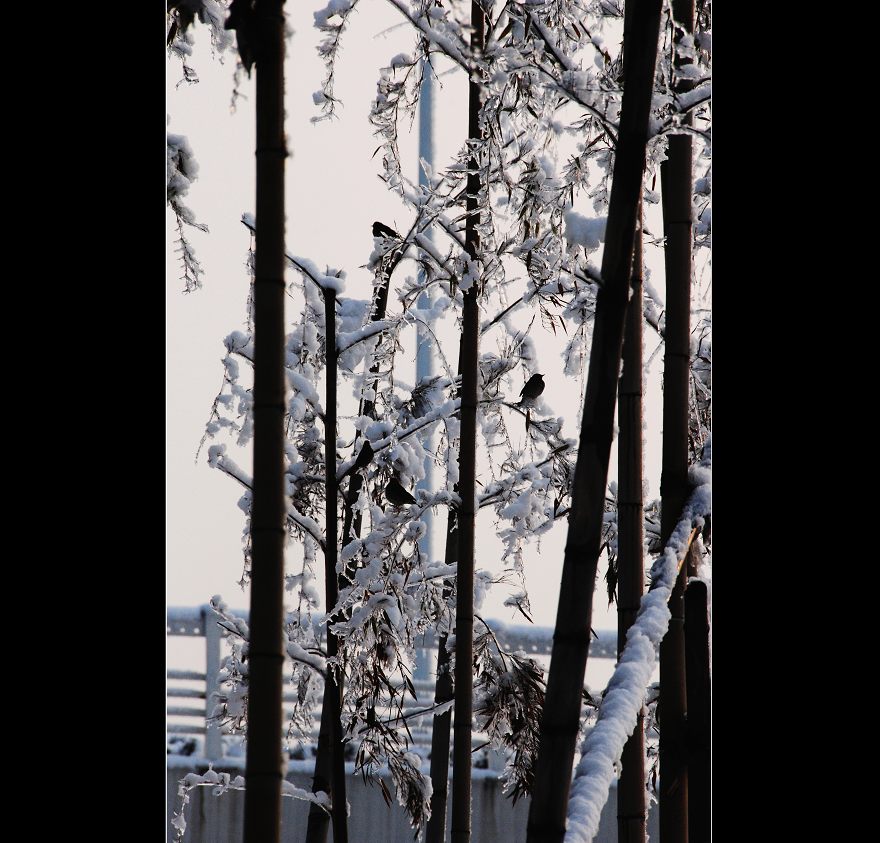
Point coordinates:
[(550, 77), (182, 167), (182, 170), (180, 17), (509, 706)]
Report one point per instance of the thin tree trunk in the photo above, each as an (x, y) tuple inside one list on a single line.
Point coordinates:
[(319, 821), (699, 719), (444, 689), (571, 639), (631, 807), (467, 461), (676, 179), (443, 692), (264, 767), (352, 522), (332, 685)]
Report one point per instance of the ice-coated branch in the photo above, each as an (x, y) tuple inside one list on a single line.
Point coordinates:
[(182, 171), (222, 783), (445, 409), (685, 103), (329, 49), (345, 341), (218, 459), (442, 41), (303, 265), (568, 65)]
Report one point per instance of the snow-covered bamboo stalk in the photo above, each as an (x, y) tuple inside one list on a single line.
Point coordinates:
[(571, 638), (443, 690), (625, 693)]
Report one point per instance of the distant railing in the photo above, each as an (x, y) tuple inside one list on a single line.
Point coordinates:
[(189, 708)]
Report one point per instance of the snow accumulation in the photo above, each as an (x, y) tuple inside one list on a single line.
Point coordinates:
[(626, 689)]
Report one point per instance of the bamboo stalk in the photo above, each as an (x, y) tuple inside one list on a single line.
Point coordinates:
[(562, 707), (319, 821), (699, 719), (443, 692), (676, 179), (631, 806), (333, 684), (467, 460), (264, 767)]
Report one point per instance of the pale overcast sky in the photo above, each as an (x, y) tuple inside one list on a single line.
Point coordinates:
[(333, 196)]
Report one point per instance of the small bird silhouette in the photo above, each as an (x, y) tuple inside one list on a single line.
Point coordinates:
[(364, 457), (242, 18), (533, 388), (396, 494), (382, 230)]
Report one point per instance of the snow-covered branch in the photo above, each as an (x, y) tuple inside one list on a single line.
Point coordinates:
[(625, 694), (304, 265), (438, 413), (217, 459), (222, 783), (444, 42)]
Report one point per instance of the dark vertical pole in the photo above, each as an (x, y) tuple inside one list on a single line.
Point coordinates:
[(319, 822), (562, 707), (443, 689), (443, 692), (631, 807), (699, 722), (467, 460), (676, 179), (263, 772), (333, 685)]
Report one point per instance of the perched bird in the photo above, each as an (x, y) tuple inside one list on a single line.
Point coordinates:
[(396, 494), (533, 388), (364, 457), (382, 230), (242, 18)]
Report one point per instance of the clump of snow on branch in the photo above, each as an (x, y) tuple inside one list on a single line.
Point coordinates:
[(180, 17), (182, 170), (223, 782)]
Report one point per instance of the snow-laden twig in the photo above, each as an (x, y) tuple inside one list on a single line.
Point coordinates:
[(626, 689), (307, 268), (222, 783), (218, 459), (435, 415), (446, 43)]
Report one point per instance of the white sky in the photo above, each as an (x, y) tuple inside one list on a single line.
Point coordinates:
[(333, 195)]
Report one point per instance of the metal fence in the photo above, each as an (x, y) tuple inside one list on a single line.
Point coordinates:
[(190, 705)]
